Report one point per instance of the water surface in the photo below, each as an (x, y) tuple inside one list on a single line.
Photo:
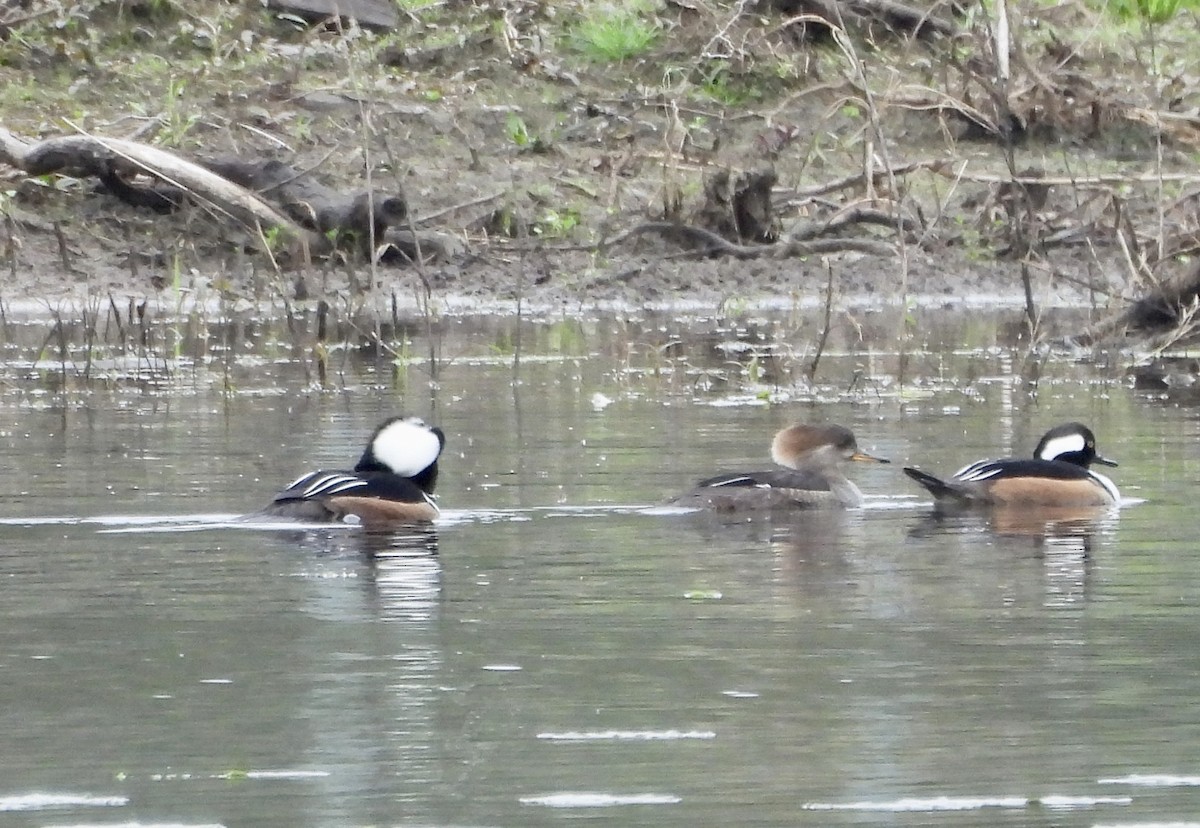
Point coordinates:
[(560, 646)]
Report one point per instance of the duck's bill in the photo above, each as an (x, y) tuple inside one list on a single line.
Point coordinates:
[(1104, 461), (863, 456)]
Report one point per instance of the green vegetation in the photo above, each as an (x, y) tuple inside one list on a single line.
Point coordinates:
[(517, 131), (1152, 12), (416, 6), (578, 120), (557, 223), (719, 85), (615, 35)]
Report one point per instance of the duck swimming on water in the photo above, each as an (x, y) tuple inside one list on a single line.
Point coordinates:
[(393, 481), (808, 475), (1058, 474)]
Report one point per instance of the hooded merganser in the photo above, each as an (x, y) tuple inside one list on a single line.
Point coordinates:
[(810, 475), (1058, 475), (392, 483)]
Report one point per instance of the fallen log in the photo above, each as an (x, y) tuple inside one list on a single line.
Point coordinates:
[(900, 18), (289, 210), (361, 218), (1168, 312), (85, 155), (371, 14)]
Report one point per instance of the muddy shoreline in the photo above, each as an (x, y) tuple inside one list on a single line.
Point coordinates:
[(498, 280), (531, 172)]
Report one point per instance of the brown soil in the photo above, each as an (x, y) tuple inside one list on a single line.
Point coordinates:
[(531, 156)]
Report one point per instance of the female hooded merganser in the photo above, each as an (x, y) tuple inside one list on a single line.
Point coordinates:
[(1058, 475), (810, 475), (392, 483)]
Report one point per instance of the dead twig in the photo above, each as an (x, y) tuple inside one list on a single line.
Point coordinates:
[(852, 214), (859, 179), (825, 324), (454, 208), (714, 244), (1087, 181)]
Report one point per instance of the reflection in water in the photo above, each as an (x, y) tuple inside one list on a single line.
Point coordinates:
[(1061, 537), (766, 525), (1175, 377), (845, 659), (1035, 522), (384, 694), (405, 572), (1067, 569), (810, 551), (801, 540)]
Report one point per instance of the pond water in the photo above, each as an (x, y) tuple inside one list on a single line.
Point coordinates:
[(561, 647)]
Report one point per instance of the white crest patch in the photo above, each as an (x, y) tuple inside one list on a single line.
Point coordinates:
[(407, 447), (1065, 444)]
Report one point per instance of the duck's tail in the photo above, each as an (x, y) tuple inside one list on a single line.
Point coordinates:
[(940, 489)]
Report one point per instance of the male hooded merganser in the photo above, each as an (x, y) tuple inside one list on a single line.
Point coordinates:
[(392, 483), (809, 475), (1058, 475)]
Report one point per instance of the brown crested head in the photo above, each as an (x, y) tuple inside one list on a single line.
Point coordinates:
[(801, 444)]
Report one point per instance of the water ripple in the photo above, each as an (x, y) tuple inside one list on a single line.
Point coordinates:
[(45, 801), (1153, 780), (598, 800), (969, 803), (625, 735)]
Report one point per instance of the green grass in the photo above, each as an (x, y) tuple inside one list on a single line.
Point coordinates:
[(719, 85), (1154, 12), (608, 35), (557, 223)]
